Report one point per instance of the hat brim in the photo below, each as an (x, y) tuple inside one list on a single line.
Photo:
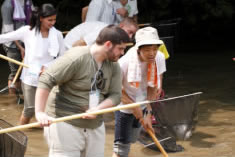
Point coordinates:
[(149, 42)]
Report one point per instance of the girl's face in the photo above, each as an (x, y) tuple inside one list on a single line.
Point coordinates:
[(147, 53), (48, 22)]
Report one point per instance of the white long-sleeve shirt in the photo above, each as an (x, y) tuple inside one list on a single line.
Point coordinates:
[(88, 31), (36, 55), (102, 10)]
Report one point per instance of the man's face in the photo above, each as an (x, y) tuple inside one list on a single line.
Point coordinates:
[(130, 30), (115, 51), (123, 2), (147, 53)]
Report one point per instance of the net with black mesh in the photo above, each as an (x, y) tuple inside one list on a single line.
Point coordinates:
[(174, 119), (12, 144)]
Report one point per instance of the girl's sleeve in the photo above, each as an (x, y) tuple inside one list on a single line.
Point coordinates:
[(18, 34)]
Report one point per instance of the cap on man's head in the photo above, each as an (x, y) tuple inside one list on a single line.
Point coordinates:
[(147, 36)]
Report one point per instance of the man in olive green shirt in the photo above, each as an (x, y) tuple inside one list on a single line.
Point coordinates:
[(87, 79)]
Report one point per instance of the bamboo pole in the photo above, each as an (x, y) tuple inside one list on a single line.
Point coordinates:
[(154, 138), (65, 32), (76, 116), (157, 143), (144, 24), (129, 44), (16, 76), (13, 61)]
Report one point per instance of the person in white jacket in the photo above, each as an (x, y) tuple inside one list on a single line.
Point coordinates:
[(43, 44)]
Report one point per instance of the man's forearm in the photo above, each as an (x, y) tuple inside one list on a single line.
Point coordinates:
[(41, 99), (105, 104), (80, 42)]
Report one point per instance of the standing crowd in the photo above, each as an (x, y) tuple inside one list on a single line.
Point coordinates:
[(83, 72)]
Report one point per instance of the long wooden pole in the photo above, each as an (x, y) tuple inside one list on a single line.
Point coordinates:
[(129, 44), (155, 140), (144, 24), (65, 32), (157, 143), (17, 74), (13, 61), (76, 116)]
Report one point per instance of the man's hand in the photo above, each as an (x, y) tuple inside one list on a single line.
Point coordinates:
[(80, 42), (122, 12), (233, 59), (90, 116), (43, 119)]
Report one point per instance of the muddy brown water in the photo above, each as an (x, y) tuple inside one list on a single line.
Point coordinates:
[(211, 73)]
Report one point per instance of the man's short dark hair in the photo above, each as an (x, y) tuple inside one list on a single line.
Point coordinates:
[(129, 21), (114, 34)]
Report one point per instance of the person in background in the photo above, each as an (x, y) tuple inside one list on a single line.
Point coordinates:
[(87, 78), (105, 11), (43, 43), (15, 14), (87, 32), (142, 70), (84, 13), (164, 50), (84, 10), (126, 5)]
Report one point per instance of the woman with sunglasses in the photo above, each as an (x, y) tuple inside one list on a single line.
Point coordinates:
[(43, 43)]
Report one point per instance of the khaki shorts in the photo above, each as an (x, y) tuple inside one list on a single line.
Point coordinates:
[(65, 140)]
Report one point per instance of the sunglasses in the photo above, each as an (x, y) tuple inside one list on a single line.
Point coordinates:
[(100, 81)]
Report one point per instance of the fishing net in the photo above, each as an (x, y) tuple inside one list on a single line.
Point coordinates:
[(174, 119), (12, 144)]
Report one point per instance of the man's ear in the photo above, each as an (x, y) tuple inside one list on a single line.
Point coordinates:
[(108, 44), (121, 25)]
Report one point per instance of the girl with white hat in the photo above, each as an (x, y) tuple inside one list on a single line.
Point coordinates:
[(142, 73)]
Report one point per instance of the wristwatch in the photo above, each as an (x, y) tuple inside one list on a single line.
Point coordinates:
[(146, 112)]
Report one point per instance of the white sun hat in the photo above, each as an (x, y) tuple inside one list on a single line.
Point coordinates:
[(147, 36)]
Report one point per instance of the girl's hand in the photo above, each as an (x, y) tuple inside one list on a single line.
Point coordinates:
[(147, 122)]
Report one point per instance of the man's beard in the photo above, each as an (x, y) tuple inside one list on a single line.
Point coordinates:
[(111, 56)]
